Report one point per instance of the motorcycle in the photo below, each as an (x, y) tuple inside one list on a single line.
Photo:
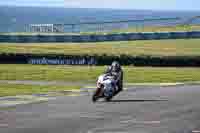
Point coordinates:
[(105, 88)]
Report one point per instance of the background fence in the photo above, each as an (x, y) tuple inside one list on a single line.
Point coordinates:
[(140, 25), (98, 38), (48, 59)]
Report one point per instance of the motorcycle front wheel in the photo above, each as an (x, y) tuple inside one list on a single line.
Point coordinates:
[(96, 95), (108, 98), (94, 98)]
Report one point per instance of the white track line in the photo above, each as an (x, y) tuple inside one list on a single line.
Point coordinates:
[(196, 131)]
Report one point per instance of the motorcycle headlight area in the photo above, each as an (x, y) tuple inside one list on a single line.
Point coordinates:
[(108, 90), (108, 86)]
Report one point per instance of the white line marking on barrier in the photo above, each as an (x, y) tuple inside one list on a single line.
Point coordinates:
[(196, 131), (141, 122), (4, 125)]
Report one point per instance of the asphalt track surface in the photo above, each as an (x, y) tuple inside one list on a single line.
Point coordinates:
[(136, 110)]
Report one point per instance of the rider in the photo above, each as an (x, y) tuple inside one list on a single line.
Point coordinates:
[(116, 71), (108, 70)]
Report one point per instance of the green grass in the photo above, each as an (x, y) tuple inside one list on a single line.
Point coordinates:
[(159, 29), (138, 28), (84, 74), (90, 74), (181, 47), (18, 89)]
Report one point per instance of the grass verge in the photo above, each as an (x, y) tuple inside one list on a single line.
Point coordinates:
[(180, 47), (89, 74), (19, 89)]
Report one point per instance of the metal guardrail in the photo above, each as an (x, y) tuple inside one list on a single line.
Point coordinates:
[(138, 25), (106, 26), (98, 38)]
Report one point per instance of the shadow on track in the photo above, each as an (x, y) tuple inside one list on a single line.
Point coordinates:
[(142, 100)]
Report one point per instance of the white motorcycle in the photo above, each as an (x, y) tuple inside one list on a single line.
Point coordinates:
[(105, 88)]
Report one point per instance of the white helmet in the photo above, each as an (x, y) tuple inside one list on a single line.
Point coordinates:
[(115, 66)]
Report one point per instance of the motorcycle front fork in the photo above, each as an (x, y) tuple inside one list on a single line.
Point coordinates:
[(98, 92)]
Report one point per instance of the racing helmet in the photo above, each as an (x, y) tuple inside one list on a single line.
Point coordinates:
[(115, 66)]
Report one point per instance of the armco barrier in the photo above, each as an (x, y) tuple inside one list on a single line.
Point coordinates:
[(98, 38), (47, 59), (51, 59)]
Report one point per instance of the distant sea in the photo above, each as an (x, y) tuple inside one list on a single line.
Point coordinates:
[(14, 19)]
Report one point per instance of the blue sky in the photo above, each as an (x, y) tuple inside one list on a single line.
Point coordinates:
[(116, 4)]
